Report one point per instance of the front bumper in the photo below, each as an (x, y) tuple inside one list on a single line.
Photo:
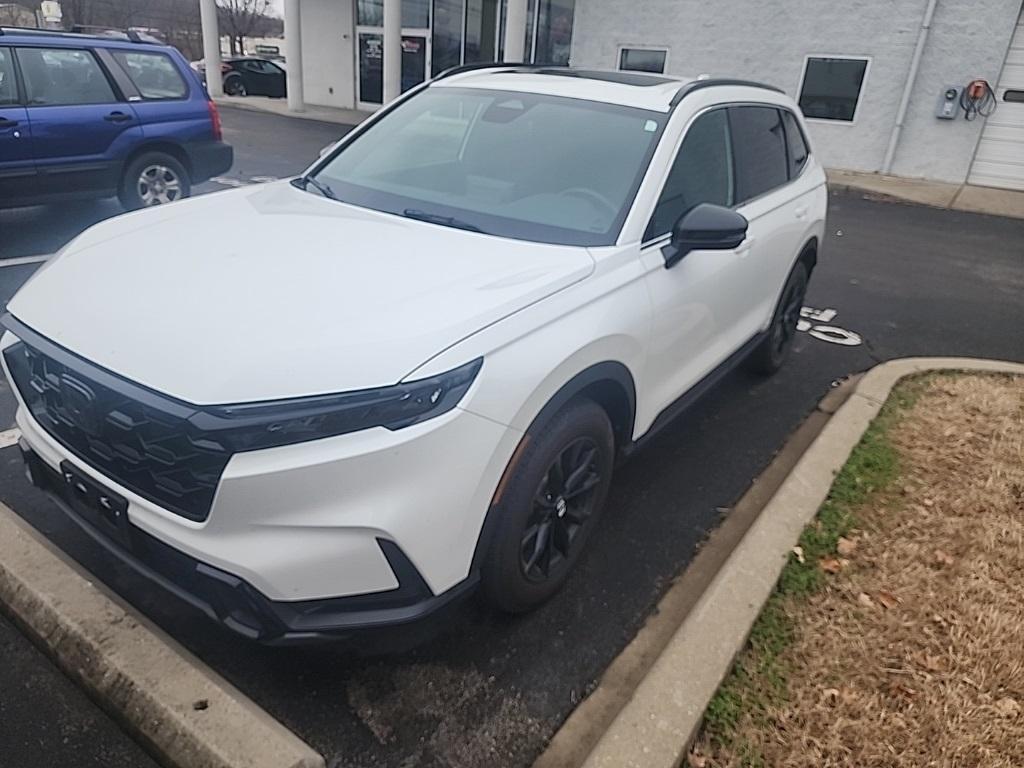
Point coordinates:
[(238, 605)]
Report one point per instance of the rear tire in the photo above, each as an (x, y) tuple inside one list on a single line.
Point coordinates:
[(233, 86), (153, 178), (551, 503), (769, 356)]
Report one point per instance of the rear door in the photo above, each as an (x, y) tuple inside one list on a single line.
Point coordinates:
[(774, 207), (17, 170), (82, 128)]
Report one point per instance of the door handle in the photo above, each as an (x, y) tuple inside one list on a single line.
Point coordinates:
[(6, 123), (801, 212), (117, 117)]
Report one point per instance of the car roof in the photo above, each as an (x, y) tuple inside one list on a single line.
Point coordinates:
[(659, 93), (112, 39)]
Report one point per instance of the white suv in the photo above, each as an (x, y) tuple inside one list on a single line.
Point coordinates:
[(343, 401)]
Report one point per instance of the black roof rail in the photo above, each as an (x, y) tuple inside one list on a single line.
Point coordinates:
[(81, 30), (500, 65), (712, 82)]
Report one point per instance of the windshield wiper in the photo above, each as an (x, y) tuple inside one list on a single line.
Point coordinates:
[(303, 182), (434, 218)]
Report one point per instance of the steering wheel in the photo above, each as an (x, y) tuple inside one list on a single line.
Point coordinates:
[(593, 197)]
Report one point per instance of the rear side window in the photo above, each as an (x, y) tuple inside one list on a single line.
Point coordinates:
[(759, 151), (8, 90), (154, 74), (702, 173), (63, 76), (796, 144)]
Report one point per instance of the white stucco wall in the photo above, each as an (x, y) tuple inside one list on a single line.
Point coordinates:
[(328, 53), (769, 41)]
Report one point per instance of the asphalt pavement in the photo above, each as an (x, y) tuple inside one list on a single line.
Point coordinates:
[(893, 280)]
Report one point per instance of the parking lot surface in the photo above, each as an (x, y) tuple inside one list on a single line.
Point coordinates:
[(893, 280), (46, 720)]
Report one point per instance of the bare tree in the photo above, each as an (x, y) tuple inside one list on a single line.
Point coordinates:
[(242, 19)]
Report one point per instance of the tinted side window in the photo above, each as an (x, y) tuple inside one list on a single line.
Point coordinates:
[(8, 89), (702, 173), (796, 144), (154, 74), (759, 148), (63, 76)]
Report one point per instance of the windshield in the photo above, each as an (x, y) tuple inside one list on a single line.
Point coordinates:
[(525, 166)]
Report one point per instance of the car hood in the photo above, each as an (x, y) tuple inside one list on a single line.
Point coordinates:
[(270, 292)]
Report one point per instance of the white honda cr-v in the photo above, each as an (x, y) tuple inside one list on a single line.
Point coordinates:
[(343, 401)]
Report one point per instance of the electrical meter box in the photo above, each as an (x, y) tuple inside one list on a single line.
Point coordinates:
[(949, 102)]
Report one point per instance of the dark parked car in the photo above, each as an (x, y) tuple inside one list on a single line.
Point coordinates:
[(89, 116), (250, 76)]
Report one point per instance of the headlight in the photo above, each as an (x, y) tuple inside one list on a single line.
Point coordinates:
[(251, 426)]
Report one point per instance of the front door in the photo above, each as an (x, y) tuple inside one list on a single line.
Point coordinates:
[(370, 60), (16, 167), (80, 126)]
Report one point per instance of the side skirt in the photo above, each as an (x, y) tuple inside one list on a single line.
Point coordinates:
[(692, 395)]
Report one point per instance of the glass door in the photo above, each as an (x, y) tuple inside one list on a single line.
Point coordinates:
[(370, 48)]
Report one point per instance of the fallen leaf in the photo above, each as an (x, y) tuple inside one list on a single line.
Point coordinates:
[(696, 761), (943, 558), (831, 696), (846, 547), (799, 553), (830, 565), (865, 599), (888, 600), (1008, 707), (929, 502), (901, 690), (929, 662)]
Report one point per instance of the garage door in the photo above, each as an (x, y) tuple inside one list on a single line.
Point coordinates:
[(1000, 158)]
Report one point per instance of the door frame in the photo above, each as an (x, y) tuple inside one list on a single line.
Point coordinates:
[(362, 29)]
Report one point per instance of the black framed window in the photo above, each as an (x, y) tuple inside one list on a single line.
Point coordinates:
[(63, 76), (446, 32), (154, 74), (643, 60), (701, 173), (831, 88), (8, 86), (796, 144), (759, 151)]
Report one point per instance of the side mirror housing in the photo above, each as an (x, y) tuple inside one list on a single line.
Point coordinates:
[(706, 227)]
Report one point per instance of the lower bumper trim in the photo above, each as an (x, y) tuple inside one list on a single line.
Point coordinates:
[(237, 605)]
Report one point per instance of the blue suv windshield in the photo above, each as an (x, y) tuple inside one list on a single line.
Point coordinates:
[(520, 165)]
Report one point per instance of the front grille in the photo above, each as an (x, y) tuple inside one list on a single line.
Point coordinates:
[(138, 438)]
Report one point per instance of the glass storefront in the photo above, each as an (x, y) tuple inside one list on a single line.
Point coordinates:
[(440, 34)]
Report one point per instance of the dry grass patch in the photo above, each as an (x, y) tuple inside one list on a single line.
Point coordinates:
[(899, 640)]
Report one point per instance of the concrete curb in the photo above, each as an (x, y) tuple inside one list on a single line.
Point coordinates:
[(656, 726), (937, 194), (180, 709)]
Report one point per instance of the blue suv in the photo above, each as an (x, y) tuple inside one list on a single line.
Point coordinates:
[(88, 116)]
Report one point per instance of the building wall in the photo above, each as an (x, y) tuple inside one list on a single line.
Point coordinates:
[(328, 53), (769, 41)]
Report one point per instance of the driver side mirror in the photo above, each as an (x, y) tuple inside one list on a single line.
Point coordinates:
[(705, 227)]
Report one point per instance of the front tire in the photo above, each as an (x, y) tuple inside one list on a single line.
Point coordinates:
[(153, 178), (773, 350), (550, 505)]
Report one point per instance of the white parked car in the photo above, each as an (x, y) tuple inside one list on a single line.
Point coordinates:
[(408, 373)]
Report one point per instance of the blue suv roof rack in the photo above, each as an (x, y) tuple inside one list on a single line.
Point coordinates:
[(100, 33)]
